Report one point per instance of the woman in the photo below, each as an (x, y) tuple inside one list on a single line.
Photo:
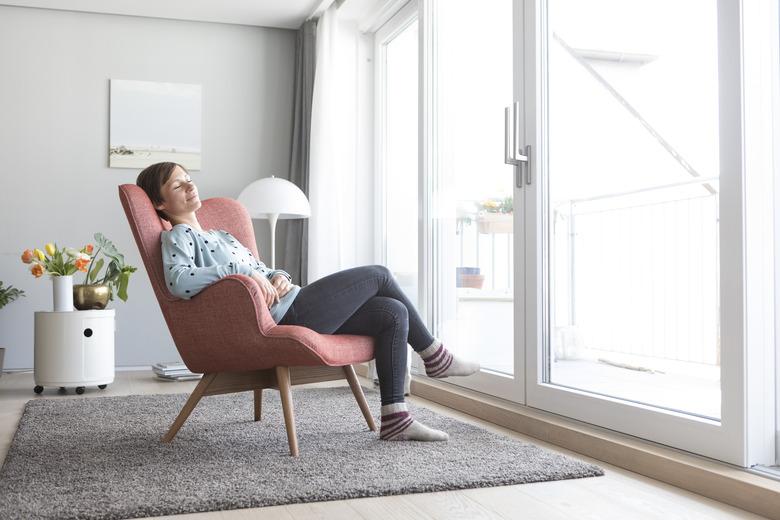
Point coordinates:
[(363, 300)]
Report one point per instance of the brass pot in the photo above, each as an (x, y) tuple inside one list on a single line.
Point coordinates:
[(90, 297)]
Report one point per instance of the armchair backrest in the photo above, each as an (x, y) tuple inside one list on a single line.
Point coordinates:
[(146, 225)]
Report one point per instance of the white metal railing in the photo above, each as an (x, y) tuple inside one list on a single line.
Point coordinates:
[(491, 252), (637, 272), (634, 272)]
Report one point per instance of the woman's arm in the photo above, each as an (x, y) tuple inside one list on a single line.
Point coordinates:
[(182, 278), (274, 272), (264, 269)]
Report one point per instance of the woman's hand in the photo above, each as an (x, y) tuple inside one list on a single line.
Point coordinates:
[(281, 284), (269, 291)]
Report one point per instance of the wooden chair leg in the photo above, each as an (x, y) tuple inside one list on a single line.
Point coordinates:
[(258, 403), (354, 384), (285, 391), (189, 406)]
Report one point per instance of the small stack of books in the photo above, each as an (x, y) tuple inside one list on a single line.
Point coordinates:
[(174, 371)]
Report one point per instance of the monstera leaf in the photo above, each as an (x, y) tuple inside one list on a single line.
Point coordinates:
[(117, 273)]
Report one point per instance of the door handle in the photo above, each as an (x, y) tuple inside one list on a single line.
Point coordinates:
[(512, 153), (527, 160), (510, 138)]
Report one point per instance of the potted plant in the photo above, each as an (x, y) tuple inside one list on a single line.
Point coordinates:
[(495, 216), (97, 290), (7, 295), (469, 277)]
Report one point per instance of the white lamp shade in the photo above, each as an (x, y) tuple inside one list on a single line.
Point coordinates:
[(274, 196)]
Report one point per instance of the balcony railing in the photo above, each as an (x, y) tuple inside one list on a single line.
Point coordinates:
[(631, 273)]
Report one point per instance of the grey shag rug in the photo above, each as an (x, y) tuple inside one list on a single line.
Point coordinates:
[(101, 458)]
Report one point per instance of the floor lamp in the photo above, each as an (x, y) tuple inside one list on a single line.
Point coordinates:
[(273, 198)]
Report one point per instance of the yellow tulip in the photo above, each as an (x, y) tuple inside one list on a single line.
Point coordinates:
[(50, 249), (39, 254)]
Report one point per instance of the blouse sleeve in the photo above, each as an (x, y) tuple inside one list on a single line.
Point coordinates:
[(182, 277), (274, 272)]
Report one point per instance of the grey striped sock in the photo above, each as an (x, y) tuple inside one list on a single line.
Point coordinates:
[(398, 425), (439, 362)]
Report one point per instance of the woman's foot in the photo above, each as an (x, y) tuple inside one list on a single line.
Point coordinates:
[(440, 362), (398, 425)]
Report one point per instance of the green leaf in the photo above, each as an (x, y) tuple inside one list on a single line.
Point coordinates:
[(111, 272), (98, 265), (124, 278), (109, 249)]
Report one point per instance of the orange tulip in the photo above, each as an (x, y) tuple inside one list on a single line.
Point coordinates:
[(89, 248), (81, 264), (27, 256), (36, 270)]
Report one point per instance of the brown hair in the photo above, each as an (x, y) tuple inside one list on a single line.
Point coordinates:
[(151, 180)]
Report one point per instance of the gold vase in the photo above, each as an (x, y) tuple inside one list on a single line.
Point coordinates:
[(90, 297)]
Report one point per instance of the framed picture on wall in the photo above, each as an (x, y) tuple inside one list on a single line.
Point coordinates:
[(152, 122)]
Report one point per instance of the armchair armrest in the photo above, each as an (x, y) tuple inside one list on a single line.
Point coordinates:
[(241, 295), (220, 325)]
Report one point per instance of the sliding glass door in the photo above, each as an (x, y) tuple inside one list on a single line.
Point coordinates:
[(634, 223), (470, 240), (581, 218)]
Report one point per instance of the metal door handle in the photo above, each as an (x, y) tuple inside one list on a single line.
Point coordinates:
[(527, 160), (511, 142)]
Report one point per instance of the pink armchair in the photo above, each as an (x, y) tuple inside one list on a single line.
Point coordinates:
[(226, 331)]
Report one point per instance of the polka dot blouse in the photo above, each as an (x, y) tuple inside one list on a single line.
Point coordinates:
[(193, 260)]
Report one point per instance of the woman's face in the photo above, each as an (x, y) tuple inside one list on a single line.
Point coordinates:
[(179, 194)]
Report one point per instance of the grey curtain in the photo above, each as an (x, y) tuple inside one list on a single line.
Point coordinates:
[(296, 232)]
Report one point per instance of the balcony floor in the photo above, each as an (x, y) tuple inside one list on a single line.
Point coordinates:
[(485, 333)]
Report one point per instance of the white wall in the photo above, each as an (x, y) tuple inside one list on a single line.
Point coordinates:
[(55, 185)]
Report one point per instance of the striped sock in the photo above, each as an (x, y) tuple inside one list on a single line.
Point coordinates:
[(439, 362), (398, 425)]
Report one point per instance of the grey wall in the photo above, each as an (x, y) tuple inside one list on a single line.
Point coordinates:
[(55, 184)]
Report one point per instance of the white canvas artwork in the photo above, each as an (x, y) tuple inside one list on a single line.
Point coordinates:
[(154, 122)]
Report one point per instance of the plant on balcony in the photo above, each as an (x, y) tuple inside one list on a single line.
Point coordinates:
[(495, 215), (503, 206)]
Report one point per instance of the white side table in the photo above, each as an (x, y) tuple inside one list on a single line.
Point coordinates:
[(74, 349)]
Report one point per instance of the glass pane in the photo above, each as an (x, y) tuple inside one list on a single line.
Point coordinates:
[(632, 201), (400, 156), (473, 194)]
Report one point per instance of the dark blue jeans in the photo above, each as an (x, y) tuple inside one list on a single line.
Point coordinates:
[(365, 301)]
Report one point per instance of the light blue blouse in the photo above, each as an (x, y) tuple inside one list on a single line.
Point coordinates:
[(193, 260)]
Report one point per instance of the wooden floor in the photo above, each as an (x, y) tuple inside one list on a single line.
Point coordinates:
[(619, 494)]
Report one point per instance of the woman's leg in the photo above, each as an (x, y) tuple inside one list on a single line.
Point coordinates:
[(387, 320), (326, 304)]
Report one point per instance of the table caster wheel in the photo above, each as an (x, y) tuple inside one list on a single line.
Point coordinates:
[(102, 387), (79, 390), (38, 389)]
